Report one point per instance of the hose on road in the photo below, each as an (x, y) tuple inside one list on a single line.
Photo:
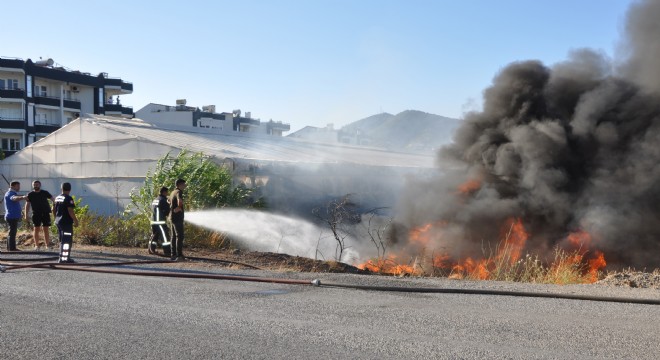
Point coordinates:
[(495, 292), (99, 268)]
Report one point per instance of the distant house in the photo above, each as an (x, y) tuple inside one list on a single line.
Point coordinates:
[(37, 98), (206, 117)]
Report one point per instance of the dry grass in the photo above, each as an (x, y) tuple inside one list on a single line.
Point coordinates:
[(502, 265)]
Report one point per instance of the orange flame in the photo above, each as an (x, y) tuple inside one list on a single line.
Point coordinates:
[(513, 239), (420, 235), (579, 239), (476, 269), (469, 186), (596, 264), (389, 266)]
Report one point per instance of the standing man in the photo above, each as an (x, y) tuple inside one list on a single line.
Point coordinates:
[(176, 217), (66, 219), (37, 199), (159, 231), (13, 212)]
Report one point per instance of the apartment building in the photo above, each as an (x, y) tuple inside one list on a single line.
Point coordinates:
[(183, 115), (38, 97)]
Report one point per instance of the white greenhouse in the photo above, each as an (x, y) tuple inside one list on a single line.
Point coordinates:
[(105, 158)]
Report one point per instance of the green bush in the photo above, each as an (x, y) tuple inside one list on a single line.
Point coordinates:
[(209, 185)]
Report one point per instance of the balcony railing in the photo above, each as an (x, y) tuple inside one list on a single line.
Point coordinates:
[(48, 122), (124, 85), (250, 122), (126, 110), (69, 103), (12, 123), (12, 93), (46, 127), (11, 118), (11, 63), (278, 125)]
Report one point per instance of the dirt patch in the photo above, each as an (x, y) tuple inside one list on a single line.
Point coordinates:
[(633, 279), (273, 261), (230, 257)]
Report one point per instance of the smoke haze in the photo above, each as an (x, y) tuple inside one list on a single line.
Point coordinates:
[(261, 231), (565, 148)]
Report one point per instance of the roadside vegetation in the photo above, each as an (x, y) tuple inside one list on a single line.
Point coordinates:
[(211, 186)]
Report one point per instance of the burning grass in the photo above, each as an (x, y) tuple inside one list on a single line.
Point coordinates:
[(575, 265), (566, 268)]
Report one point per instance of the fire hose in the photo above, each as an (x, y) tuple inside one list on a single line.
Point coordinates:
[(99, 268)]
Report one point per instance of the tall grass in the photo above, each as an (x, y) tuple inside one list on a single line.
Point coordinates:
[(564, 268), (135, 231)]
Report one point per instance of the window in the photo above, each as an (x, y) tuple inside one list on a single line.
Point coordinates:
[(7, 113), (11, 144), (41, 118), (29, 85), (41, 90), (8, 84)]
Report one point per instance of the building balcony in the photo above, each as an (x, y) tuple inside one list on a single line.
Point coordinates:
[(246, 122), (11, 63), (12, 123), (45, 127), (55, 101), (278, 125), (118, 109), (125, 86), (12, 93)]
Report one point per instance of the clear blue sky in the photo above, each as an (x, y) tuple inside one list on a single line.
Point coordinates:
[(308, 62)]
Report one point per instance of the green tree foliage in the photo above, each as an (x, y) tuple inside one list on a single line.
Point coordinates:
[(209, 185)]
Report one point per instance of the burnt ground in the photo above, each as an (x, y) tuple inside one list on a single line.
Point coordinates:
[(242, 259)]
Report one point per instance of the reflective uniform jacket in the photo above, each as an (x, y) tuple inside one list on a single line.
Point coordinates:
[(160, 209)]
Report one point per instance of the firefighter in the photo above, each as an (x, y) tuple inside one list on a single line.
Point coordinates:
[(160, 234), (66, 220), (176, 218)]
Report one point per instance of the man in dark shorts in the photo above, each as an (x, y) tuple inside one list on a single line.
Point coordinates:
[(37, 200)]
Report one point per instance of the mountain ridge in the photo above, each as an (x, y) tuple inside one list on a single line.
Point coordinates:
[(409, 130)]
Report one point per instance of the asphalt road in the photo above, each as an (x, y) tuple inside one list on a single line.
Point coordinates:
[(57, 314)]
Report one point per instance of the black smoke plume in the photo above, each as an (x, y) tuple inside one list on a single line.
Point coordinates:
[(565, 148)]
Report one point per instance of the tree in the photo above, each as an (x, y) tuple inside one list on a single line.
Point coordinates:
[(377, 228), (210, 184), (338, 214)]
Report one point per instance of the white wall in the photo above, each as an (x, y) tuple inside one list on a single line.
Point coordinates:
[(85, 95), (158, 115), (103, 168)]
